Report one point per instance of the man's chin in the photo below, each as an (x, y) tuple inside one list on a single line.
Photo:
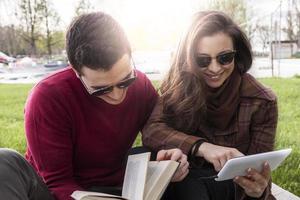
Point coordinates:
[(112, 101)]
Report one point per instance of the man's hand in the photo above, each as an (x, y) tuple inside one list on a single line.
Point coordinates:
[(217, 155), (255, 183), (176, 155)]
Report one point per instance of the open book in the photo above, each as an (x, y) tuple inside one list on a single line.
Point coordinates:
[(144, 180)]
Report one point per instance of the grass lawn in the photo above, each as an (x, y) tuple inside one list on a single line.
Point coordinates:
[(12, 98)]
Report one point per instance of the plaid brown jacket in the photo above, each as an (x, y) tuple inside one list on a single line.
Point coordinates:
[(252, 131)]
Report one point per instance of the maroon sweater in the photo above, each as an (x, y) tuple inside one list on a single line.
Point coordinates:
[(75, 140)]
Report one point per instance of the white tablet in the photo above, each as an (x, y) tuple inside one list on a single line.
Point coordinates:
[(238, 166)]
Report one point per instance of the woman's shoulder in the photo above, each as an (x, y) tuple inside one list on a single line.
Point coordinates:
[(252, 88)]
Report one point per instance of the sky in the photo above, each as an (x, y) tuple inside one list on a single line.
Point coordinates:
[(165, 19), (132, 10), (126, 10)]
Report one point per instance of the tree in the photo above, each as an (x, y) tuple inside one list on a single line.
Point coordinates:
[(264, 35), (238, 11), (31, 18), (11, 41), (83, 6), (51, 21), (293, 22), (59, 44), (250, 25), (296, 6)]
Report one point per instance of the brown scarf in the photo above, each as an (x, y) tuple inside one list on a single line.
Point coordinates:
[(222, 103)]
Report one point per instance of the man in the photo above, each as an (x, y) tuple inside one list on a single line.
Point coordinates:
[(81, 122)]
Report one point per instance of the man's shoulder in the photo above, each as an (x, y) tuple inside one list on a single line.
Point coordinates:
[(142, 89), (55, 84), (141, 76), (142, 81), (252, 88), (56, 79), (58, 76)]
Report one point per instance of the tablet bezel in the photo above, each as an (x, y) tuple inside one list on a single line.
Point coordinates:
[(238, 166)]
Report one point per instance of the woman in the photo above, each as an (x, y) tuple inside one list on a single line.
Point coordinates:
[(213, 110)]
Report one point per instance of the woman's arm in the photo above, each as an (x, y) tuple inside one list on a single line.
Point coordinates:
[(262, 130), (157, 135)]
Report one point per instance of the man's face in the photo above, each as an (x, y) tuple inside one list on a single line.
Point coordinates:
[(114, 82)]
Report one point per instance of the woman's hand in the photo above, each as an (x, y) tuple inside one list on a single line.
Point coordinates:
[(176, 155), (255, 182), (217, 155)]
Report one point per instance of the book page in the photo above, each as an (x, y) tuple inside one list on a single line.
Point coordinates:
[(85, 195), (135, 176), (158, 176)]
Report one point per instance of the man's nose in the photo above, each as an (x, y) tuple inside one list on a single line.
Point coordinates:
[(116, 93)]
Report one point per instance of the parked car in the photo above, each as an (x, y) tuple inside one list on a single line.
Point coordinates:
[(5, 58), (56, 64)]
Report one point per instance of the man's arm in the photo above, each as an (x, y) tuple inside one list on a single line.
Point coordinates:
[(49, 138)]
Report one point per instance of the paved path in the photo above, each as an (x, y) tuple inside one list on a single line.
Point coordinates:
[(261, 67)]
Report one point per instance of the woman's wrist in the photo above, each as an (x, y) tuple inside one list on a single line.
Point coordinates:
[(200, 150), (195, 148)]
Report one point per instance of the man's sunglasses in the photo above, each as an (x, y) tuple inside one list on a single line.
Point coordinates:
[(223, 58), (107, 89)]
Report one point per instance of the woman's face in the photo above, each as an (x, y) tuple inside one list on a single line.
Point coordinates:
[(215, 56)]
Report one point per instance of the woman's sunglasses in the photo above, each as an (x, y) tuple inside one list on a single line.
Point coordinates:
[(223, 58), (107, 89)]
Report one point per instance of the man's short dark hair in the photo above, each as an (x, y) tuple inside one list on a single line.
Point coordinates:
[(96, 41)]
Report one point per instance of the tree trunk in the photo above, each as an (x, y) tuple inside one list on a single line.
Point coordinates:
[(32, 42), (49, 38)]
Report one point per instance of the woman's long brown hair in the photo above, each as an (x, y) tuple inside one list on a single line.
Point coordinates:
[(183, 95)]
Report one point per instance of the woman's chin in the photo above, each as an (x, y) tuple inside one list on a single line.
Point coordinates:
[(214, 84)]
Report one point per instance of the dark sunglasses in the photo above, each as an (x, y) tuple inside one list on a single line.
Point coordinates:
[(107, 89), (223, 58)]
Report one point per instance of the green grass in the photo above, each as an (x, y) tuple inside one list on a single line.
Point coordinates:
[(288, 131), (12, 100)]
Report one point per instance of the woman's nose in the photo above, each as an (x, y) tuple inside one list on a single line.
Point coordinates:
[(214, 66)]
